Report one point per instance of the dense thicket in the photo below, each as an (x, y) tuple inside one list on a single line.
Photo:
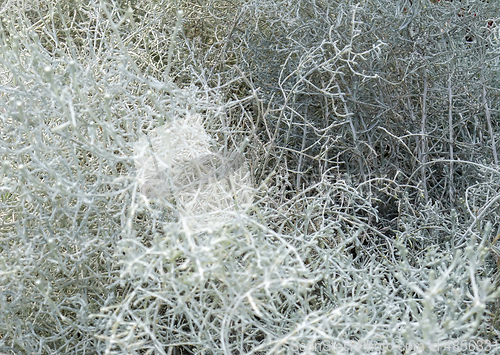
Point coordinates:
[(369, 130)]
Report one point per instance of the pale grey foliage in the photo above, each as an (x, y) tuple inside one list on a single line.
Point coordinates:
[(214, 177)]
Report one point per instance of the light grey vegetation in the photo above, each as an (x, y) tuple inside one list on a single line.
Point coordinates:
[(372, 131)]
